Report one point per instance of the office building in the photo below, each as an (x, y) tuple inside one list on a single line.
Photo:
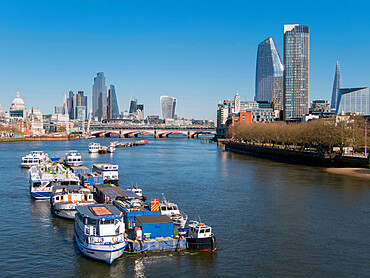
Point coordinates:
[(133, 104), (113, 110), (168, 107), (336, 86), (99, 97), (59, 110), (76, 104), (354, 100), (269, 74), (296, 71)]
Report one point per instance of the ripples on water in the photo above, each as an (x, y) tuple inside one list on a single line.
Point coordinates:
[(270, 219)]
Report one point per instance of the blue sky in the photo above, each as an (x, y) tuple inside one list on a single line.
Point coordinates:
[(200, 52)]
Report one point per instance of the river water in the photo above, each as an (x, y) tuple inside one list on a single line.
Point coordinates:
[(270, 219)]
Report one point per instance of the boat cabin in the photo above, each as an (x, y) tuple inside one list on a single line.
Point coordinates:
[(100, 223), (199, 230), (73, 158)]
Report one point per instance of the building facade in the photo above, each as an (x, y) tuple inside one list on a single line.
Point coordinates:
[(269, 74), (113, 110), (168, 107), (296, 71), (99, 97), (17, 109), (336, 86), (354, 100)]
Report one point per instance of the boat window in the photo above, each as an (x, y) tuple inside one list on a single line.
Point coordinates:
[(201, 231), (175, 208), (107, 221), (57, 198), (163, 208), (90, 222), (208, 230), (36, 184)]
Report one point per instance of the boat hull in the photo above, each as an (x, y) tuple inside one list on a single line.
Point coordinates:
[(202, 244), (105, 253), (41, 194), (65, 213)]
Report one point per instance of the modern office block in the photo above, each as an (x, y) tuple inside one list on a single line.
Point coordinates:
[(269, 74), (99, 97), (113, 110), (168, 107), (354, 100), (296, 71)]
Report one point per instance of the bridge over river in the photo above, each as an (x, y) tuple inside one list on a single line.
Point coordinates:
[(157, 132)]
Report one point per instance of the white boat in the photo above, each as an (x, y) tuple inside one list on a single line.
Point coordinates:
[(94, 147), (200, 237), (64, 200), (178, 217), (43, 177), (73, 158), (99, 232), (111, 148), (108, 171), (136, 190), (34, 158)]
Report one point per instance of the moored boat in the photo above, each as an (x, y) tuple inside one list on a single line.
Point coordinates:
[(178, 217), (34, 158), (99, 232), (73, 158), (200, 237), (108, 171), (64, 200), (94, 147), (43, 177)]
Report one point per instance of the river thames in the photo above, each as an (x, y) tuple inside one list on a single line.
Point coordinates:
[(270, 219)]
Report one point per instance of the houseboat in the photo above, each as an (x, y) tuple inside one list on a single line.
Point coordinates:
[(34, 158), (171, 210), (64, 200), (200, 237), (108, 171), (73, 158), (94, 147), (43, 177), (99, 232)]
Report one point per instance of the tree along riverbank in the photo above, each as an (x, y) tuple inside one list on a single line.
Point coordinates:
[(301, 156)]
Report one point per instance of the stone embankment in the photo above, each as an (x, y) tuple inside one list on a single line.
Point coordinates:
[(36, 138), (298, 155)]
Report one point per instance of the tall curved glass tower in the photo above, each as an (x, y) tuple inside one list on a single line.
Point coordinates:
[(269, 74), (168, 107)]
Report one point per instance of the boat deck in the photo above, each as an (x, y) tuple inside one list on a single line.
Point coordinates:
[(156, 245)]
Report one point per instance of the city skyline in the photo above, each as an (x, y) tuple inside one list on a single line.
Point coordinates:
[(209, 60)]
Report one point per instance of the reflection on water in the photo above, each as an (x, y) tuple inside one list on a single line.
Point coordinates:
[(269, 218)]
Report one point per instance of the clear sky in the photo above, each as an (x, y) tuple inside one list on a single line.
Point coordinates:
[(200, 52)]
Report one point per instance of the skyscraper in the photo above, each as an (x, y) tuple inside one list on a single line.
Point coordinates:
[(133, 104), (296, 71), (113, 111), (99, 97), (80, 106), (269, 74), (70, 104), (336, 86), (168, 107)]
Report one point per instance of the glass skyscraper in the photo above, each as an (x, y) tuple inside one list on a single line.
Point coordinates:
[(336, 86), (133, 104), (269, 74), (113, 110), (99, 97), (168, 107), (296, 71)]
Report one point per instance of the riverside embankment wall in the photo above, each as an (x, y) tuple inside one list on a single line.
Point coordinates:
[(298, 156)]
